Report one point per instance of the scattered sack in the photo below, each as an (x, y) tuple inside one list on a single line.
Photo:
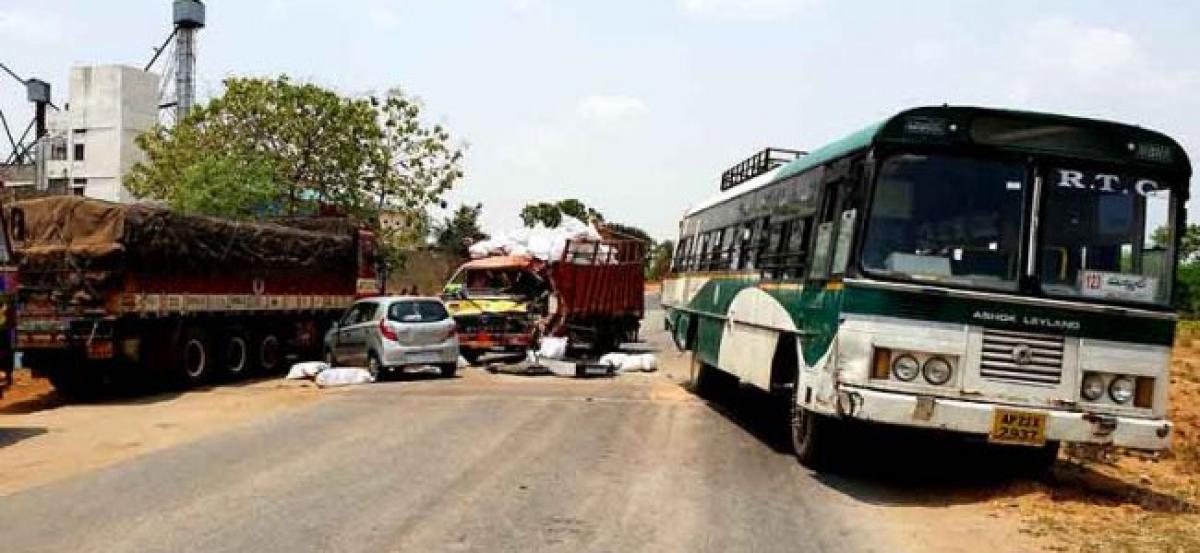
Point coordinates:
[(343, 376), (625, 362), (307, 369), (553, 348)]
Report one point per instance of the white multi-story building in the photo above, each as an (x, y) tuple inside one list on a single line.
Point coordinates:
[(91, 145)]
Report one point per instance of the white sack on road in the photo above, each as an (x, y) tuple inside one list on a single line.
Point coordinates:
[(307, 369), (343, 376), (625, 362)]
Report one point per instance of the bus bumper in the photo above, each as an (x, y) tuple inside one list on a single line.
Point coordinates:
[(976, 418)]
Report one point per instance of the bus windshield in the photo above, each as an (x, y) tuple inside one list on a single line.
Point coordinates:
[(1106, 236), (954, 220)]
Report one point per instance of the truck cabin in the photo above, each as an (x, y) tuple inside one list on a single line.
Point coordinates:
[(510, 277)]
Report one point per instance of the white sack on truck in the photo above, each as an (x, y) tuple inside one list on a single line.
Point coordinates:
[(547, 244)]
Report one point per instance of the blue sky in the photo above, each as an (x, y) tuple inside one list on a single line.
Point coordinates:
[(636, 106)]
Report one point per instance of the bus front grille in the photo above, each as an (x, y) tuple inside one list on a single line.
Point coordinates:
[(1023, 357)]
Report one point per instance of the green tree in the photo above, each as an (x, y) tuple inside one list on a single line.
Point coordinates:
[(547, 214), (1189, 245), (289, 148), (629, 232), (457, 232), (550, 214), (660, 260)]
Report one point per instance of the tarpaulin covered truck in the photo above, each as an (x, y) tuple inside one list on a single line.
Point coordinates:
[(111, 290), (592, 292)]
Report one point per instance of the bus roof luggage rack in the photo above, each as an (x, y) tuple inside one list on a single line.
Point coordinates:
[(757, 164)]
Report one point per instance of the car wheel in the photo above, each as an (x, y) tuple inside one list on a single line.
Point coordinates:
[(448, 369), (374, 366)]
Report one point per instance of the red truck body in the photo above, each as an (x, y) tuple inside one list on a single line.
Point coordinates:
[(110, 291)]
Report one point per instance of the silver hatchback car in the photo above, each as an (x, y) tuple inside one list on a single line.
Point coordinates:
[(388, 333)]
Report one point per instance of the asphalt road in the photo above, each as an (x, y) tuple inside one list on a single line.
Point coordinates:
[(480, 463)]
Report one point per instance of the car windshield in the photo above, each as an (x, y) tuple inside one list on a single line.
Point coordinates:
[(417, 311), (499, 282), (1106, 236), (954, 220)]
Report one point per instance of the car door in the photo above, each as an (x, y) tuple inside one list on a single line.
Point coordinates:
[(353, 336), (341, 335)]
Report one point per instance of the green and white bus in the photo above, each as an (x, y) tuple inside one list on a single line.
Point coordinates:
[(996, 273)]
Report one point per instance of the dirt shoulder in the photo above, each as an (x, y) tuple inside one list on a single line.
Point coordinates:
[(1127, 504), (43, 439)]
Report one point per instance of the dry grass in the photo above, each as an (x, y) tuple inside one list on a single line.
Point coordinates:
[(1131, 504)]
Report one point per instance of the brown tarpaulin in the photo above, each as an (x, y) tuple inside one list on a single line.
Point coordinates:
[(87, 232)]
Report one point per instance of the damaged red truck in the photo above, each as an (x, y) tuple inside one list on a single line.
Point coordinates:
[(110, 291), (592, 293)]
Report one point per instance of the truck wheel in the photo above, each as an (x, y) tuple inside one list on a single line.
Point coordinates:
[(193, 358), (448, 369), (268, 354), (471, 355), (235, 356), (814, 437)]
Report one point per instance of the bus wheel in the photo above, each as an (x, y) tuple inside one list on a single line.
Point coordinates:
[(814, 437)]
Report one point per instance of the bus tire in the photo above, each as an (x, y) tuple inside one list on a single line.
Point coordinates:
[(814, 438)]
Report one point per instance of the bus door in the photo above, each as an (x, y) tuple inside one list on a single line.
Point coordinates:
[(832, 230)]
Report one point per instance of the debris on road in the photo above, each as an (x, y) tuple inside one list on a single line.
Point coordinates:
[(630, 362), (306, 370), (343, 376)]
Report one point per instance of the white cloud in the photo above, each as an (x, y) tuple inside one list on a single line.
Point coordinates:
[(526, 5), (385, 17), (607, 108), (755, 10), (928, 51), (1059, 43), (29, 27)]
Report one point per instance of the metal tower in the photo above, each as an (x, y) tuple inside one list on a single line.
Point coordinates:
[(189, 18)]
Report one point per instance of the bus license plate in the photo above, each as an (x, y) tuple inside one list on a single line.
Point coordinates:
[(1018, 428)]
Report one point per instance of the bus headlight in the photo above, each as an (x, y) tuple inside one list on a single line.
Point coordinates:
[(1093, 387), (905, 367), (1121, 389), (937, 370)]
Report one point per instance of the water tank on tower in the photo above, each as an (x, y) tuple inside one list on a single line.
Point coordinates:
[(189, 17)]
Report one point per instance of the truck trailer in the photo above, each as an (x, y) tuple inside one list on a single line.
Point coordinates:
[(592, 293), (109, 291)]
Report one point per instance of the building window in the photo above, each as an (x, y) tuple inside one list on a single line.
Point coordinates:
[(79, 152), (58, 150), (78, 186)]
